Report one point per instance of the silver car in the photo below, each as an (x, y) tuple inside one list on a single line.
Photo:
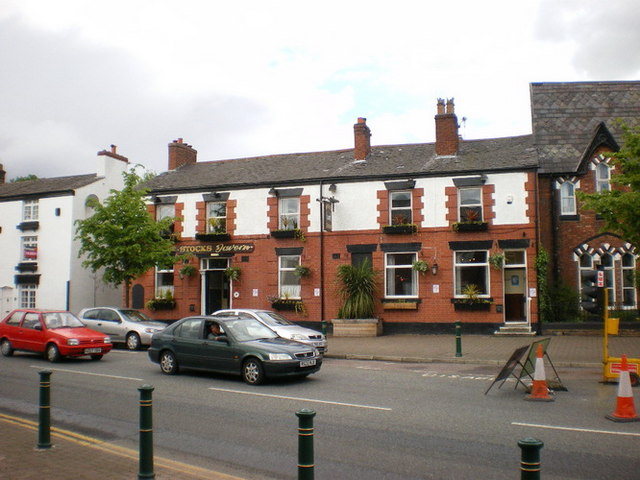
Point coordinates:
[(123, 325), (281, 326)]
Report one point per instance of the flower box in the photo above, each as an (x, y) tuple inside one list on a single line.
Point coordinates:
[(400, 229), (213, 237), (357, 327), (463, 305), (470, 227), (160, 304), (291, 233), (288, 305), (400, 304)]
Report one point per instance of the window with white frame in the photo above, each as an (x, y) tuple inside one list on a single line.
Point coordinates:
[(400, 208), (27, 295), (471, 272), (603, 177), (400, 278), (216, 217), (628, 280), (470, 204), (29, 248), (164, 210), (609, 276), (567, 199), (30, 210), (164, 283), (289, 213), (585, 265), (288, 281)]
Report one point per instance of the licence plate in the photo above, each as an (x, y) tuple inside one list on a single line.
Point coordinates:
[(307, 363), (92, 350)]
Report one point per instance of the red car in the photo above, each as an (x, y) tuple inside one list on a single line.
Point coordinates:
[(55, 333)]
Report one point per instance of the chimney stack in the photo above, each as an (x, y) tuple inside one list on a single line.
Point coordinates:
[(362, 135), (113, 154), (446, 128), (181, 154), (3, 174)]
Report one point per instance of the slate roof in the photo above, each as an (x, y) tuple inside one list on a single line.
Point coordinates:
[(384, 162), (566, 116), (44, 187)]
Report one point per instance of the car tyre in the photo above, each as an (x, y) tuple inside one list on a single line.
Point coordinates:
[(52, 353), (6, 348), (252, 371), (133, 341), (168, 363)]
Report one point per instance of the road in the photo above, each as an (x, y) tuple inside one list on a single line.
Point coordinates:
[(374, 420)]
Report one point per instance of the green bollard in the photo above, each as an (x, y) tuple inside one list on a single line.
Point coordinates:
[(305, 444), (530, 458), (146, 433), (458, 338), (44, 413), (323, 326)]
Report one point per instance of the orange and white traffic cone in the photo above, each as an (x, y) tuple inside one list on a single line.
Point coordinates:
[(539, 389), (625, 409)]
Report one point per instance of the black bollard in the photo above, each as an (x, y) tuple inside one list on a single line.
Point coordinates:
[(530, 458), (305, 444), (44, 413), (146, 433), (458, 338)]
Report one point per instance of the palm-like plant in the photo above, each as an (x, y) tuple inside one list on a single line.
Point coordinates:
[(357, 288)]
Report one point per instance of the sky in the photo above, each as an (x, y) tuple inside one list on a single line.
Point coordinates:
[(249, 78)]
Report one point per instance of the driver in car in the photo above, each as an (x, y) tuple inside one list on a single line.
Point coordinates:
[(215, 333)]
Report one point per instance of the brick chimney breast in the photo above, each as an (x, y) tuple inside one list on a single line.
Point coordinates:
[(181, 154), (446, 128), (362, 135), (3, 174)]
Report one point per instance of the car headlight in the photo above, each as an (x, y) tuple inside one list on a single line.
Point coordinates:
[(316, 352), (73, 341), (107, 339), (151, 330), (297, 336), (279, 356)]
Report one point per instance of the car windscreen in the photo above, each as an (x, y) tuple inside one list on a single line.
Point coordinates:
[(61, 320), (274, 319), (246, 329), (135, 316)]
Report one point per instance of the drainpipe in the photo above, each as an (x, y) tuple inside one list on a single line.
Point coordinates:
[(322, 256)]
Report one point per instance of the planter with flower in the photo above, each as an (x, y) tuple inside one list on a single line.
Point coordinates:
[(472, 299)]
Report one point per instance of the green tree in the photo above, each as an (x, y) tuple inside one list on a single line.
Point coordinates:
[(122, 238), (26, 178), (620, 207)]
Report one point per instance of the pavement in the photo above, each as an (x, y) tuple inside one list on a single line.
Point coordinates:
[(80, 457)]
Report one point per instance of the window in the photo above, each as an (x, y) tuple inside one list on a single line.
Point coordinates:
[(217, 217), (30, 210), (586, 265), (164, 283), (567, 199), (27, 296), (470, 204), (400, 208), (29, 249), (289, 212), (400, 278), (603, 176), (288, 281), (471, 268), (164, 210), (628, 280), (609, 277)]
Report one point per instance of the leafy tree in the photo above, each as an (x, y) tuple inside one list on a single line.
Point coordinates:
[(122, 238), (620, 208), (26, 178)]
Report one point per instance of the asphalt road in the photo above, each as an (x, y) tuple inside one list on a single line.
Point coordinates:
[(374, 420)]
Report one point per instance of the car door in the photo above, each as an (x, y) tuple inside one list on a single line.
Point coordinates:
[(11, 329), (219, 355), (187, 340), (32, 335), (107, 321)]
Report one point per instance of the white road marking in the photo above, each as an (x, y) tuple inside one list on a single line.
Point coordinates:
[(89, 373), (572, 429), (371, 407)]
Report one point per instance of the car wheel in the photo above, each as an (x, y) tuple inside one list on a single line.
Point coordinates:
[(133, 341), (7, 349), (168, 363), (52, 353), (96, 357), (252, 371)]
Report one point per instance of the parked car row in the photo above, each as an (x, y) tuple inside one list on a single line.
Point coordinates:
[(255, 344)]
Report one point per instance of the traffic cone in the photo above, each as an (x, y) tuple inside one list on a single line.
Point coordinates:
[(539, 389), (625, 409)]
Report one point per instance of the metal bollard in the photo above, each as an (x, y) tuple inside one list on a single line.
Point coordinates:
[(530, 458), (146, 433), (323, 326), (305, 444), (458, 338), (44, 412)]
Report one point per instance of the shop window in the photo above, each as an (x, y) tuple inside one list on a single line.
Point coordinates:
[(567, 199), (27, 295), (400, 208), (400, 278), (470, 204), (164, 283), (30, 210), (289, 213), (288, 281), (29, 249), (471, 269), (603, 177), (216, 217), (628, 281)]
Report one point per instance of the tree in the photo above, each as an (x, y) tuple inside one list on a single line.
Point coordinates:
[(122, 238), (620, 208), (26, 178)]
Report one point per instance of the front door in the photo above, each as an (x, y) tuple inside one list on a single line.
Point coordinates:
[(216, 285), (515, 287)]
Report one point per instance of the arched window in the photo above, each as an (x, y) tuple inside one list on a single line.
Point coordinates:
[(567, 199), (629, 298), (603, 177), (609, 277)]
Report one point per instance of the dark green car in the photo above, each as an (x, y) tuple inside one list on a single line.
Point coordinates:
[(231, 345)]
